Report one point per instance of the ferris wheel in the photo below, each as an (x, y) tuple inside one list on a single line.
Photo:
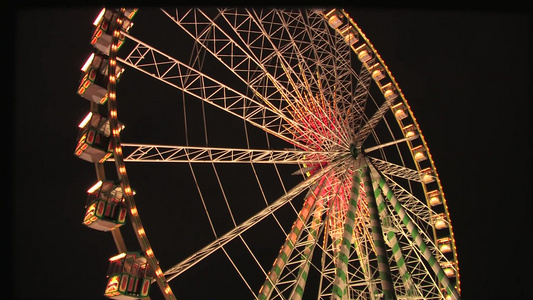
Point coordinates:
[(288, 131)]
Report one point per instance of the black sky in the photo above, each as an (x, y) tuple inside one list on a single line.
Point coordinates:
[(465, 74)]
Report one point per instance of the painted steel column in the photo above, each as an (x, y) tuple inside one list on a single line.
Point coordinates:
[(377, 236), (294, 235), (339, 290), (393, 242), (298, 291), (415, 234)]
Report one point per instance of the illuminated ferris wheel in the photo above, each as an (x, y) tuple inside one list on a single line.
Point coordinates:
[(313, 176)]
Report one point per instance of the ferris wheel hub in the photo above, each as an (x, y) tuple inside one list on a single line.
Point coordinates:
[(356, 151)]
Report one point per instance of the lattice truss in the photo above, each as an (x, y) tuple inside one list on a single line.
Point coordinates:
[(301, 88)]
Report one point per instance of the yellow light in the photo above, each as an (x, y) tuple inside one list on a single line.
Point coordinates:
[(419, 156), (149, 252), (167, 290), (400, 113), (445, 248), (88, 63), (117, 257), (449, 272), (377, 75), (334, 21), (158, 272), (440, 224), (427, 178), (133, 211), (95, 187), (434, 200), (363, 56), (140, 231), (350, 38), (112, 286), (86, 120), (409, 133), (99, 18), (105, 157)]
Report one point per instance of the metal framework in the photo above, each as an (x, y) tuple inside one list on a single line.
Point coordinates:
[(374, 222)]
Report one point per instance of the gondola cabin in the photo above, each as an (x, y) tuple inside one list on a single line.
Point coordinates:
[(128, 276), (94, 139), (104, 23), (105, 209), (93, 85)]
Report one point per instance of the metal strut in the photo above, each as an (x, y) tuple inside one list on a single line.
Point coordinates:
[(291, 240), (415, 234)]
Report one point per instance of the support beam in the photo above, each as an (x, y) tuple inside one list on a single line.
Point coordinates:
[(393, 243), (301, 280), (340, 290), (290, 242), (377, 236), (415, 234), (237, 231)]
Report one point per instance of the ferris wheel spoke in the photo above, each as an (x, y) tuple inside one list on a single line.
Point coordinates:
[(286, 49), (190, 154), (266, 81), (243, 227), (177, 74), (367, 128), (302, 44), (277, 282), (392, 169), (399, 253), (211, 37), (425, 220), (356, 108)]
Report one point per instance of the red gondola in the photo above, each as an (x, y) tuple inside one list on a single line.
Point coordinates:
[(129, 277), (105, 209)]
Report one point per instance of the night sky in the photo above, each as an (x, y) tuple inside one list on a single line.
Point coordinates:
[(465, 74)]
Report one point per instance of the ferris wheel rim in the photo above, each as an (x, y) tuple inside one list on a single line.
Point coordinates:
[(118, 153)]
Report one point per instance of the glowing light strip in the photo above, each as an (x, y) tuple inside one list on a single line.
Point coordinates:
[(95, 187), (86, 120), (121, 168)]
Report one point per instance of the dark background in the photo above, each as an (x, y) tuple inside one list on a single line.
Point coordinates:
[(465, 73)]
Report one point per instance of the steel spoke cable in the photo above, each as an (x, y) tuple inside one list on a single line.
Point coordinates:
[(313, 38), (290, 73), (243, 227), (232, 98), (250, 58), (285, 93), (259, 181), (276, 54)]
